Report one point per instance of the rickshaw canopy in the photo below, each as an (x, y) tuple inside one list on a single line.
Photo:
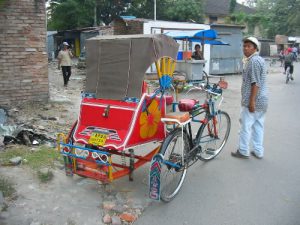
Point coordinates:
[(203, 36), (116, 65)]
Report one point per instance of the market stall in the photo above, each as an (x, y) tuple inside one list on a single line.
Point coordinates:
[(193, 69)]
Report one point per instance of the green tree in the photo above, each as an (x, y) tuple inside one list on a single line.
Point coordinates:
[(174, 10), (70, 14), (186, 11), (232, 6), (108, 10), (273, 17), (285, 18)]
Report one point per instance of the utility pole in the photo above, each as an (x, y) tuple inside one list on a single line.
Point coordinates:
[(154, 10), (95, 15)]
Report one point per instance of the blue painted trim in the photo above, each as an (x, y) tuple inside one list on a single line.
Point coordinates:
[(194, 120), (171, 164), (165, 82), (174, 104)]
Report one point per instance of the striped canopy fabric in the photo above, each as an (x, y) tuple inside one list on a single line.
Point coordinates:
[(116, 65)]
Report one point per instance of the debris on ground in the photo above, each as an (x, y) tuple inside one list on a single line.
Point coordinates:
[(27, 137)]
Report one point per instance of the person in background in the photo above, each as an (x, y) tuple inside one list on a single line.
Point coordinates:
[(288, 62), (65, 62), (254, 102), (281, 58), (295, 52), (197, 54)]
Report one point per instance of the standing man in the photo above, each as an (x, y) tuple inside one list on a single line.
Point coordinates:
[(65, 62), (254, 102)]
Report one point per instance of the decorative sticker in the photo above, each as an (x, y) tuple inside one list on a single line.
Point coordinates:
[(149, 120), (154, 181)]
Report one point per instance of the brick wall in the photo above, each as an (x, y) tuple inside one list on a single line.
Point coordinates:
[(23, 57)]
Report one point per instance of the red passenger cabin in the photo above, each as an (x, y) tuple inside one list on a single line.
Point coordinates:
[(116, 115)]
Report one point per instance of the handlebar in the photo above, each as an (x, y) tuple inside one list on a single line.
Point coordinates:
[(214, 90)]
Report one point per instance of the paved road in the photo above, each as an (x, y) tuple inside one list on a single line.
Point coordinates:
[(230, 191)]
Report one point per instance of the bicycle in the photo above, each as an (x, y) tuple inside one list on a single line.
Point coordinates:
[(288, 74), (273, 61), (180, 149)]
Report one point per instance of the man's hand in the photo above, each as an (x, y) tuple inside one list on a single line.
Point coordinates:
[(254, 91), (252, 106), (70, 53)]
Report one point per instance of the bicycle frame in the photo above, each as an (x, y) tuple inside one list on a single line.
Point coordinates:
[(209, 109)]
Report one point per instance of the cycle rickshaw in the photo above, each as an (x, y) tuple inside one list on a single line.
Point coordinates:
[(117, 115)]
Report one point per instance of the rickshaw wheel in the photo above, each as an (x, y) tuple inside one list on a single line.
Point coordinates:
[(172, 178)]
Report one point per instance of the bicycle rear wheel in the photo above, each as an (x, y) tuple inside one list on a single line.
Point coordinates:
[(212, 142), (173, 170)]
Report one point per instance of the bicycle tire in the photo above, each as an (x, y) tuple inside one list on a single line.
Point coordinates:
[(173, 154), (209, 147), (287, 74), (205, 77)]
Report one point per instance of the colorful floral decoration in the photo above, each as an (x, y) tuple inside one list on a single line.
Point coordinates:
[(149, 120)]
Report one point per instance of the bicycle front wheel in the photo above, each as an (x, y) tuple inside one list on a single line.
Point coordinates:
[(174, 150), (287, 75), (213, 135)]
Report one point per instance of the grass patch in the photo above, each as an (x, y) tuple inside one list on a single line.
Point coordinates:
[(45, 176), (42, 157), (6, 187)]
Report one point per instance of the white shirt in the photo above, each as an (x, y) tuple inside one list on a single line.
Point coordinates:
[(65, 57)]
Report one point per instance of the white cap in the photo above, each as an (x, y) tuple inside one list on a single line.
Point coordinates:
[(65, 43), (253, 40)]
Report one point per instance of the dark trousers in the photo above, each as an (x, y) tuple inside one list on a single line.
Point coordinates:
[(66, 70), (286, 65)]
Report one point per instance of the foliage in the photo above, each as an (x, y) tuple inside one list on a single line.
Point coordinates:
[(41, 157), (6, 187), (187, 11), (273, 17), (44, 177), (285, 18), (70, 14), (174, 10), (1, 2), (107, 11), (232, 6)]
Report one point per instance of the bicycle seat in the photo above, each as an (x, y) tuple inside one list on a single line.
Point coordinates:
[(169, 99), (181, 117), (186, 105)]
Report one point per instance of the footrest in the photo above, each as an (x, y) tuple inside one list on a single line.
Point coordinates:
[(176, 117)]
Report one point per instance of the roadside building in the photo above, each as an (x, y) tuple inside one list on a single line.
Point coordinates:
[(281, 42), (51, 45), (218, 12), (76, 38)]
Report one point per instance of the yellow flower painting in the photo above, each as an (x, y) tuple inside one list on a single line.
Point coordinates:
[(149, 121)]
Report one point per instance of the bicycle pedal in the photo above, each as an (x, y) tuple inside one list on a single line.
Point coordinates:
[(210, 151)]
